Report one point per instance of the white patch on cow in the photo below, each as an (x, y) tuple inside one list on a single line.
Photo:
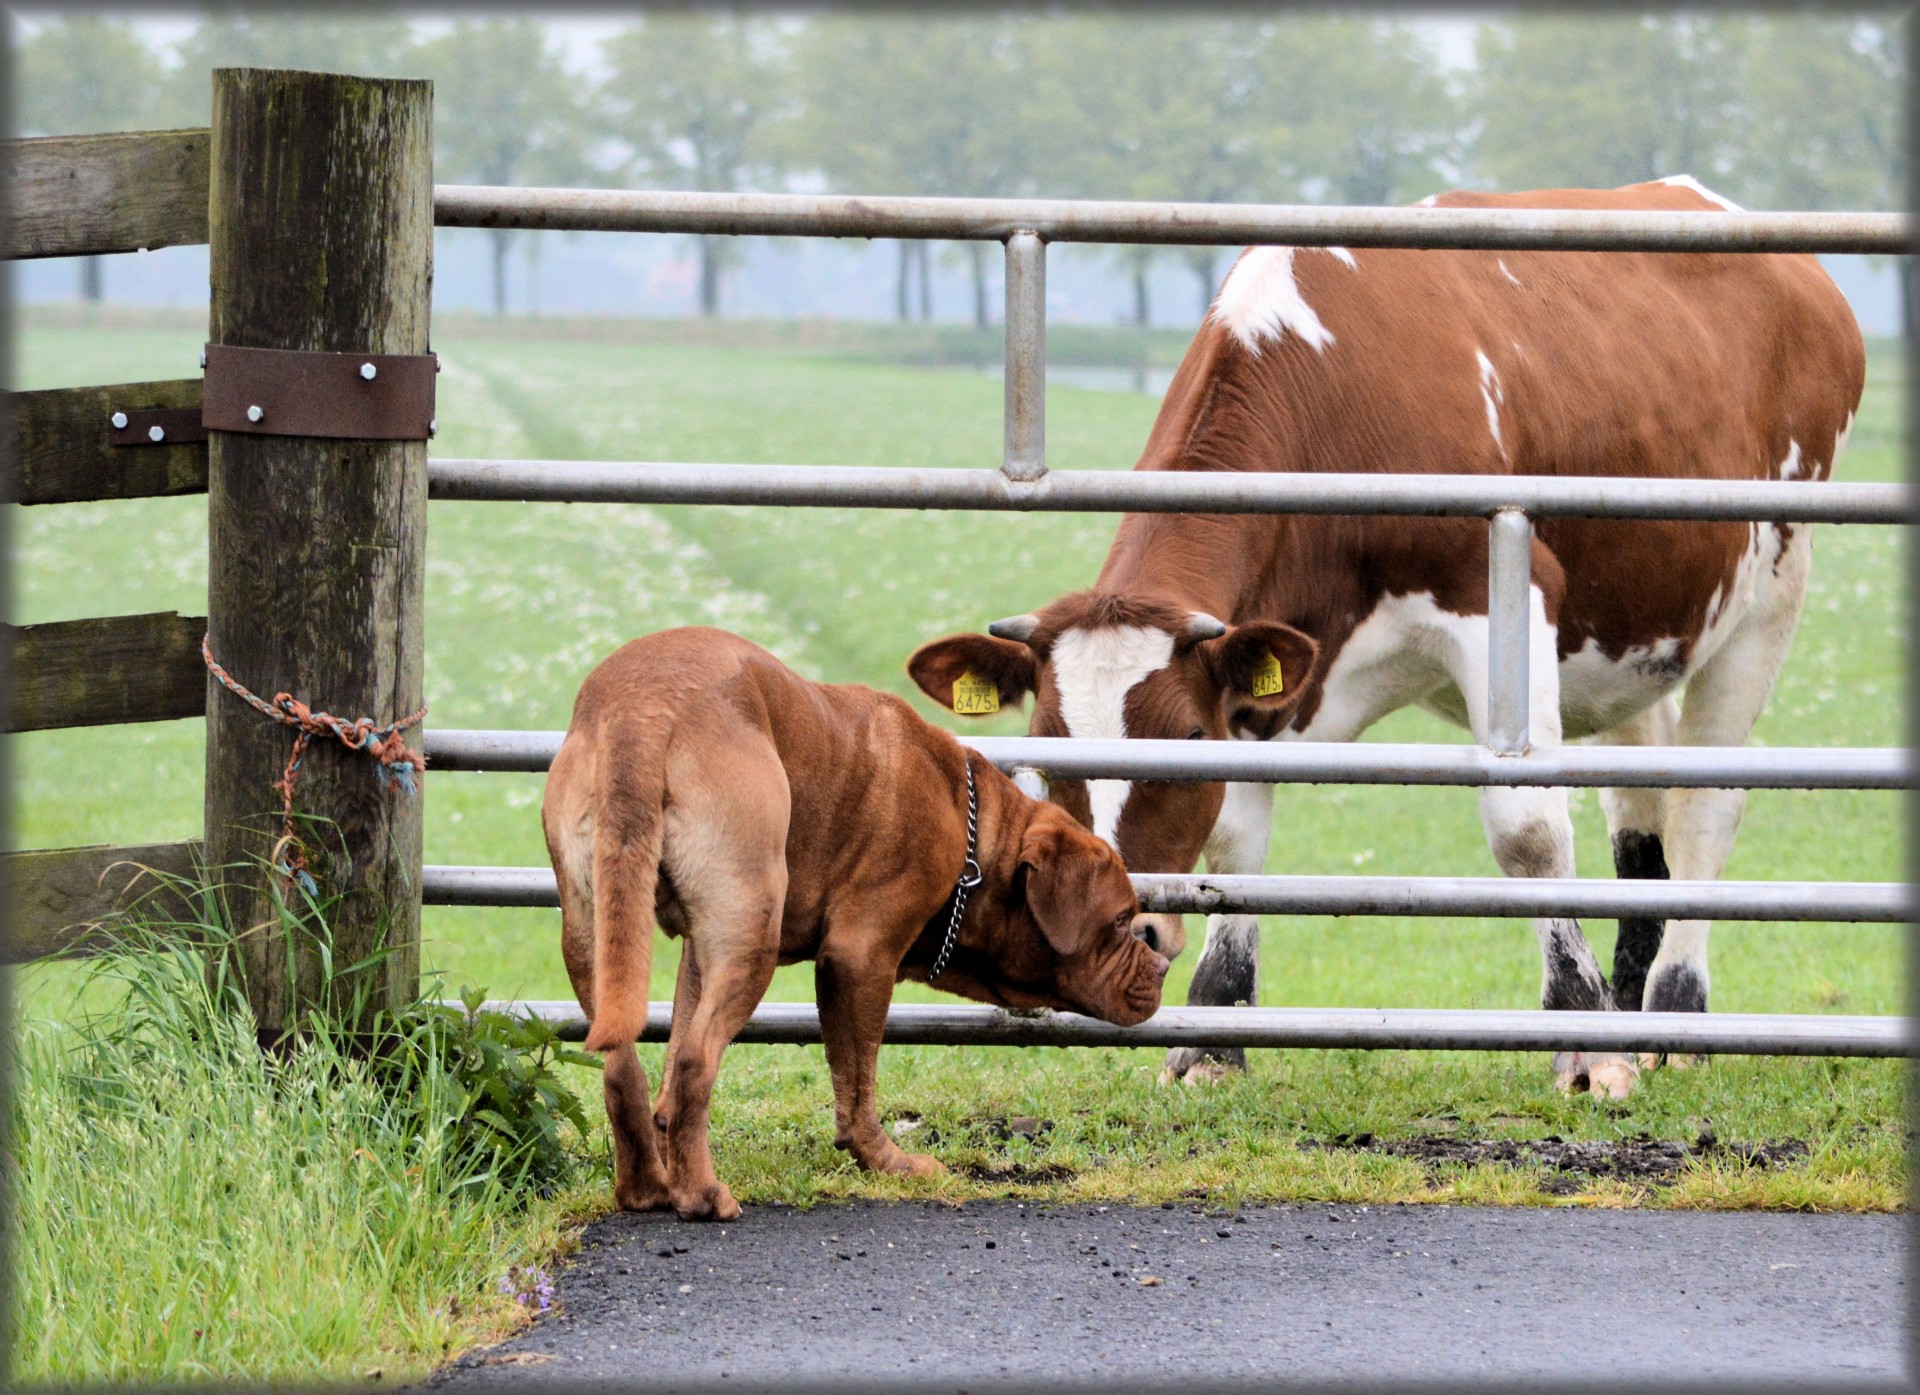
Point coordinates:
[(1427, 202), (1508, 274), (1790, 467), (1238, 843), (1839, 444), (1095, 669), (1261, 299), (1687, 181), (1599, 692), (1730, 605), (1491, 391), (1389, 660)]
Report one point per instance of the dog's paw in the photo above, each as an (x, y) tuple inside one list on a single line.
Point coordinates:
[(709, 1203), (642, 1198)]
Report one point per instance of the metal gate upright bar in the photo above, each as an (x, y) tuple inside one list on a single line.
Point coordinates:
[(1026, 359), (1509, 603)]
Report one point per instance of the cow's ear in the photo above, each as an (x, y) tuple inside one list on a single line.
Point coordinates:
[(974, 674), (1262, 664)]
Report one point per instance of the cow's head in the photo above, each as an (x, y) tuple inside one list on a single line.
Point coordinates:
[(1104, 665)]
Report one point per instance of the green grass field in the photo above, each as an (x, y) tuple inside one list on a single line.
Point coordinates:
[(524, 599)]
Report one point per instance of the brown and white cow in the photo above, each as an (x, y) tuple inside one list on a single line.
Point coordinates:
[(1631, 364)]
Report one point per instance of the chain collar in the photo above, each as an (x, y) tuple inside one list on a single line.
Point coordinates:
[(970, 877)]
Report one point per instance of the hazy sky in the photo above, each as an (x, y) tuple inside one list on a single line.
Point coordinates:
[(581, 33)]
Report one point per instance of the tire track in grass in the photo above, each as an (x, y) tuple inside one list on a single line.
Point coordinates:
[(585, 579)]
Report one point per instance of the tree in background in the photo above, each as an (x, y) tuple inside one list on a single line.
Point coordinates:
[(82, 74), (1349, 110), (506, 111), (1823, 121), (693, 97), (904, 104), (1826, 124), (1603, 100), (1138, 107), (361, 42)]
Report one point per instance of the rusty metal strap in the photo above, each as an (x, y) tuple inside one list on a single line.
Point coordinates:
[(286, 392), (155, 426)]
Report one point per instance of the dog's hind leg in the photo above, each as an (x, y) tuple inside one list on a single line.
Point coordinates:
[(726, 846), (686, 1001), (639, 1170)]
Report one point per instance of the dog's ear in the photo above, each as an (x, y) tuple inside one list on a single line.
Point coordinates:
[(1075, 884), (974, 674)]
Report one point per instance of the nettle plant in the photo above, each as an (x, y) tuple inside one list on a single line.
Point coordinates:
[(479, 1089)]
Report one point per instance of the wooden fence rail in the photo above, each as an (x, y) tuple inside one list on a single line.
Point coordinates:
[(89, 673), (84, 195), (64, 901), (64, 451)]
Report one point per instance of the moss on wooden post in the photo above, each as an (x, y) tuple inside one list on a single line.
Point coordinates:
[(321, 230)]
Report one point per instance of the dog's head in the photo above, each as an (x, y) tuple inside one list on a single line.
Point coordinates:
[(1067, 940)]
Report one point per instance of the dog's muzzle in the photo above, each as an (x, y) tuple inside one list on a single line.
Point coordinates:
[(1162, 933)]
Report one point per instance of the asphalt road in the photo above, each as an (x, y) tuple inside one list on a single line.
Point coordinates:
[(951, 1298)]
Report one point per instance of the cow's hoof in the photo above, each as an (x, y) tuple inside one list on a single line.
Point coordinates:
[(1570, 1072), (1612, 1077), (1606, 1075), (709, 1203), (918, 1165), (1187, 1065)]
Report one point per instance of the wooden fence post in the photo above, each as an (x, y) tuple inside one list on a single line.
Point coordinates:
[(321, 232)]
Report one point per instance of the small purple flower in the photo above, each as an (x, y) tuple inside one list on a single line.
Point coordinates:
[(529, 1286)]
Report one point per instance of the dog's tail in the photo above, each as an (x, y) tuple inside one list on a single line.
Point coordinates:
[(628, 830)]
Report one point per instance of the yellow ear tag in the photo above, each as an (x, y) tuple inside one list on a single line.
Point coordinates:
[(1266, 676), (974, 696)]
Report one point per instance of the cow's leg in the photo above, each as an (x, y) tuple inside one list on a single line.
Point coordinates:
[(1636, 822), (1530, 833), (1723, 700), (1228, 971)]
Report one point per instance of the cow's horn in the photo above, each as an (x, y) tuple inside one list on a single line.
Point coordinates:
[(1015, 627), (1201, 625)]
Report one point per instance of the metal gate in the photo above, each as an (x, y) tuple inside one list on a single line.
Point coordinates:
[(1023, 483)]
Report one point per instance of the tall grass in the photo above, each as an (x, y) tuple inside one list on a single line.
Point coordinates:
[(188, 1206)]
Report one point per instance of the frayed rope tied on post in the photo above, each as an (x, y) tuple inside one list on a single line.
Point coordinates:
[(396, 763)]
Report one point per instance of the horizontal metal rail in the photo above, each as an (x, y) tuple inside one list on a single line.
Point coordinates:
[(1166, 491), (1335, 762), (1400, 1029), (1879, 902), (1203, 224)]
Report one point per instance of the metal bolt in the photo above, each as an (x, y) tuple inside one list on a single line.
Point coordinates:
[(432, 423), (367, 371), (203, 358), (154, 433), (119, 421), (255, 413)]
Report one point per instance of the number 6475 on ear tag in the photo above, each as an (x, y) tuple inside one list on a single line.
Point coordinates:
[(1266, 676), (974, 696)]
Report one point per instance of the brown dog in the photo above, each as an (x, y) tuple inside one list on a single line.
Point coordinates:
[(768, 819)]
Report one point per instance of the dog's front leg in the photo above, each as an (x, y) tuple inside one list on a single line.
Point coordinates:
[(854, 990)]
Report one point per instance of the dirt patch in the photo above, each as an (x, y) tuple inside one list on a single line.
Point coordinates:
[(1643, 1159)]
